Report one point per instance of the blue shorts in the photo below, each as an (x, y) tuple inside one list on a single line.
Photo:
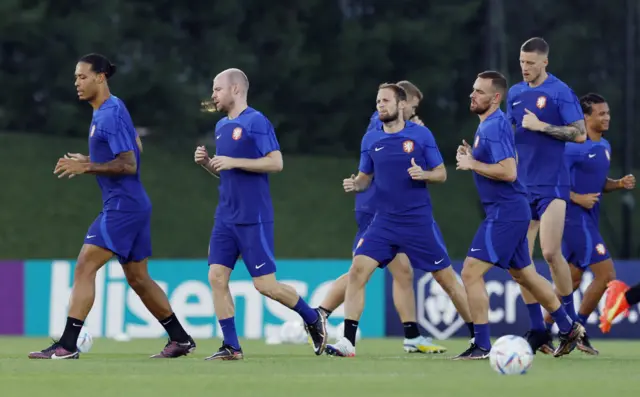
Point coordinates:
[(541, 196), (582, 245), (503, 244), (254, 242), (125, 233), (422, 243), (363, 219)]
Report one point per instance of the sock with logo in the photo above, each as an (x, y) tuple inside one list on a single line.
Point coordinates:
[(309, 315), (411, 330), (535, 315), (582, 318), (327, 312), (69, 338), (481, 336), (350, 330), (230, 337), (563, 320), (173, 327), (567, 302), (472, 330)]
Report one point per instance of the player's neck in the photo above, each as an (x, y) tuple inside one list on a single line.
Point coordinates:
[(394, 126), (593, 134), (238, 108), (537, 82), (100, 99), (488, 113)]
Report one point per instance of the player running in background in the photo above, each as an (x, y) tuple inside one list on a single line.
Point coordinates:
[(501, 239), (582, 244), (404, 297), (247, 151), (546, 114), (619, 299), (123, 227), (404, 158)]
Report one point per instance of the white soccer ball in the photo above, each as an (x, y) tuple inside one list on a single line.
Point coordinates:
[(511, 355), (293, 332), (85, 341), (339, 332)]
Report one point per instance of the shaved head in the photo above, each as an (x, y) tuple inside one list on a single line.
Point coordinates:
[(236, 77)]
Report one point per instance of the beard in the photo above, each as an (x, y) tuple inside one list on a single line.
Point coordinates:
[(480, 109), (389, 117)]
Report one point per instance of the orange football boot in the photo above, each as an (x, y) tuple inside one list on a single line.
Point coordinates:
[(615, 304)]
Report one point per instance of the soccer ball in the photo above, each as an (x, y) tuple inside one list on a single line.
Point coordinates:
[(85, 341), (339, 332), (293, 332), (511, 355)]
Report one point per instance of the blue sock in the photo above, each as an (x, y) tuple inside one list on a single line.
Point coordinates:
[(309, 315), (481, 333), (535, 315), (582, 318), (228, 326), (562, 319), (567, 302)]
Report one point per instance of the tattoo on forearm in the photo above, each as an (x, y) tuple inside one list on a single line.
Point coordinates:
[(124, 163), (567, 133)]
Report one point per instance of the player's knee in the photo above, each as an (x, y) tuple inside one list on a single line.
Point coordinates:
[(552, 255), (604, 277), (469, 277), (86, 270), (266, 287), (218, 277)]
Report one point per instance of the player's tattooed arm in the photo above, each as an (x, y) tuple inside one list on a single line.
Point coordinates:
[(124, 164), (574, 132)]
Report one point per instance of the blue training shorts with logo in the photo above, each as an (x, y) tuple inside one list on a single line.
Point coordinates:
[(253, 241), (421, 242), (582, 245), (541, 196), (363, 220), (125, 233), (502, 243)]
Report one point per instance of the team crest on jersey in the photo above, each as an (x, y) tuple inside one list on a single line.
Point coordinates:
[(237, 133), (600, 249), (477, 142), (93, 129), (606, 152), (541, 102), (407, 146)]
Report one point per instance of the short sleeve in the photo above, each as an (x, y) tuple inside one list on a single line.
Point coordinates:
[(366, 162), (118, 136), (574, 153), (432, 156), (264, 135), (569, 106), (502, 143), (509, 105)]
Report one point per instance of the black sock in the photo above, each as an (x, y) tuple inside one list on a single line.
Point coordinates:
[(327, 312), (411, 330), (174, 329), (69, 338), (471, 330), (350, 329), (633, 295)]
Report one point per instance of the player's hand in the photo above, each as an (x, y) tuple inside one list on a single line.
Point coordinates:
[(628, 182), (465, 148), (201, 156), (349, 184), (416, 172), (531, 122), (588, 200), (416, 119), (464, 161), (69, 167), (222, 163)]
